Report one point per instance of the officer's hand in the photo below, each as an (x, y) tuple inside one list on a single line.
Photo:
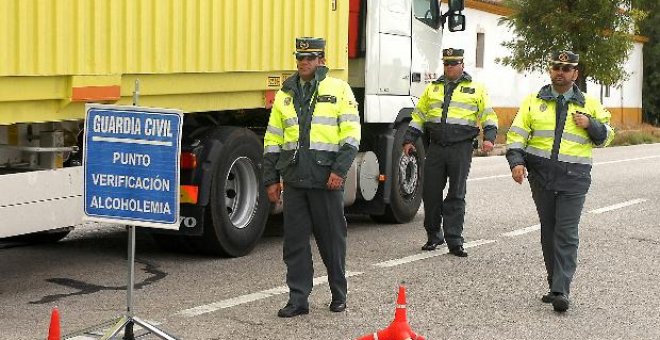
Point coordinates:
[(408, 149), (519, 173), (274, 190), (334, 182), (487, 146), (581, 120)]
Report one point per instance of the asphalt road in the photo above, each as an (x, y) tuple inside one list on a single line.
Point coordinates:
[(492, 294)]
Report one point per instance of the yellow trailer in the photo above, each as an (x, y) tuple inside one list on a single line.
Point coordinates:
[(221, 62), (192, 55)]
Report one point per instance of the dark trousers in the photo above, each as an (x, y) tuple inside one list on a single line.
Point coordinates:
[(446, 162), (320, 212), (559, 213)]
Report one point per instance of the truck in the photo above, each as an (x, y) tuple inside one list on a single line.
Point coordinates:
[(220, 62)]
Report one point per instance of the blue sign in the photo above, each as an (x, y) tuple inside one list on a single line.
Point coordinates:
[(131, 165)]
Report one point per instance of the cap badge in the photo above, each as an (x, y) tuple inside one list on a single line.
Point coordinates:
[(563, 57), (303, 45), (450, 51), (543, 107)]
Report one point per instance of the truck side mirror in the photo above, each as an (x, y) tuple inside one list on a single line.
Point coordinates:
[(456, 5), (456, 22), (436, 16)]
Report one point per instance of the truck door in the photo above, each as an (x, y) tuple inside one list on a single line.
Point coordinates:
[(426, 40), (392, 56)]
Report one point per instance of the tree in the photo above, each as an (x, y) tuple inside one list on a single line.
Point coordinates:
[(650, 28), (598, 30)]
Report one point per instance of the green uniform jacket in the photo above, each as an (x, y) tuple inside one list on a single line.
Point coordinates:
[(308, 138)]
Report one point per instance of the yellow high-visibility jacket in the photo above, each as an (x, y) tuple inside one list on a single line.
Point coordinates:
[(469, 106), (531, 139), (303, 144)]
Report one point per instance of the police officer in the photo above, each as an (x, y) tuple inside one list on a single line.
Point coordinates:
[(313, 135), (449, 111), (551, 139)]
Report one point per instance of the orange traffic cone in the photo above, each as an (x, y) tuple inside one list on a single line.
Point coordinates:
[(399, 328), (54, 329)]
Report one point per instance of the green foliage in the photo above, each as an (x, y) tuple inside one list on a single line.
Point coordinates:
[(598, 30), (650, 28)]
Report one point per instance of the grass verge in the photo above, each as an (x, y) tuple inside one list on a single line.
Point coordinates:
[(645, 134)]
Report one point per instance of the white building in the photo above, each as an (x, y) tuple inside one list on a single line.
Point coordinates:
[(482, 41)]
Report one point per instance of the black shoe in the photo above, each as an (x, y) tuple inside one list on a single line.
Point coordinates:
[(560, 303), (458, 251), (337, 306), (291, 310), (431, 245), (548, 298)]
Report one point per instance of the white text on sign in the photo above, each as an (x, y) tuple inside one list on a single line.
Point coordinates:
[(131, 159), (153, 127)]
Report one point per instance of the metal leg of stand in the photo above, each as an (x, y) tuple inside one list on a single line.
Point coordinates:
[(126, 322), (158, 332), (121, 323)]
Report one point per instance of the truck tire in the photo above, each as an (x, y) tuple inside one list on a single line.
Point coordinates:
[(407, 178), (238, 205)]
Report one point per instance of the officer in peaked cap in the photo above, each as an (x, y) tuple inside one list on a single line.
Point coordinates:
[(550, 142), (450, 54), (312, 137), (449, 112), (564, 58), (308, 46)]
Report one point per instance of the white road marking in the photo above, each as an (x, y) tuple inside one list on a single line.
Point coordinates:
[(488, 177), (626, 160), (535, 227), (522, 231), (243, 299), (427, 254), (618, 206), (596, 163)]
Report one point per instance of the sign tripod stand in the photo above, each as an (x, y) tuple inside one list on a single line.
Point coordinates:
[(96, 152), (127, 321)]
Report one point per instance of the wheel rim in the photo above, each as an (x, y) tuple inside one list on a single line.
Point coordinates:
[(241, 192), (408, 174)]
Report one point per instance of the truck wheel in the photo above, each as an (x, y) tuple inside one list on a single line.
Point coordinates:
[(238, 202), (407, 178)]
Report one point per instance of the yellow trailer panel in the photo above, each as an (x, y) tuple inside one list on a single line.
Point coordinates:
[(195, 55)]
